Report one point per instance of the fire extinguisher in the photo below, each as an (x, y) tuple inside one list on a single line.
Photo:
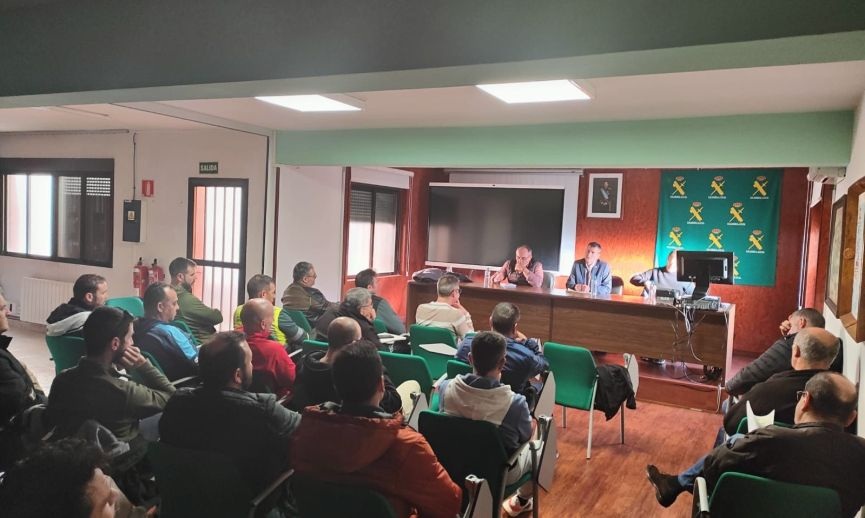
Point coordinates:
[(140, 277), (157, 274)]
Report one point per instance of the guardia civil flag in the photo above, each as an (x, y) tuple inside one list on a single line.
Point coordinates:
[(732, 210)]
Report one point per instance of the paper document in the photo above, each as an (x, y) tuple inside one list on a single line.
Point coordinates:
[(388, 339), (439, 348)]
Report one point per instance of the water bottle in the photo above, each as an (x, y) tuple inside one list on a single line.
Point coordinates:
[(487, 278), (593, 289)]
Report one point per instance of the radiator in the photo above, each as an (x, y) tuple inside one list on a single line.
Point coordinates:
[(40, 296)]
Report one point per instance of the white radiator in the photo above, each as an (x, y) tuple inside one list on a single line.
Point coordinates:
[(40, 296)]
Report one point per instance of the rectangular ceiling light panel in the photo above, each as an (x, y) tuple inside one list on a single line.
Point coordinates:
[(309, 103), (536, 91)]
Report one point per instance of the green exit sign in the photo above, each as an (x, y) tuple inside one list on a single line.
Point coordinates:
[(208, 167)]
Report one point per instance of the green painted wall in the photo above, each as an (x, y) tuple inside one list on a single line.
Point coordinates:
[(797, 139)]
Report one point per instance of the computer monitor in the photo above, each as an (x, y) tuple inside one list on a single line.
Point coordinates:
[(703, 268)]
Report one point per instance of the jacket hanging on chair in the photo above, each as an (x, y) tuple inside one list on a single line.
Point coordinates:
[(614, 388)]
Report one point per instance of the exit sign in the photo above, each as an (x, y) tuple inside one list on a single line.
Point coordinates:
[(208, 167)]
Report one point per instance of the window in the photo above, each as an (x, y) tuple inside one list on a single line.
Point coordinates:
[(58, 209), (373, 230)]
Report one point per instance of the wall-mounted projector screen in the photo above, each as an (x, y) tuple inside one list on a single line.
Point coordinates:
[(481, 225)]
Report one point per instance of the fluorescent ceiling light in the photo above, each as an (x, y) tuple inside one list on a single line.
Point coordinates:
[(536, 91), (309, 103)]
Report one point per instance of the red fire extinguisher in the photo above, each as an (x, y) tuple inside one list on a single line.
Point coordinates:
[(140, 277), (157, 274)]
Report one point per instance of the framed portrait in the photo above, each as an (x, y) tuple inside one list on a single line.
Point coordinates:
[(605, 196), (836, 245)]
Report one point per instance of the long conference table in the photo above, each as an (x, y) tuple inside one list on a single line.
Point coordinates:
[(610, 323)]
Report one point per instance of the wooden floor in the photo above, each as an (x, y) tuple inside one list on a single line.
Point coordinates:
[(613, 482)]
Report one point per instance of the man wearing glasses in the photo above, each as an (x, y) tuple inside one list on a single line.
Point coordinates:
[(813, 352), (522, 270), (446, 311), (357, 305), (301, 296)]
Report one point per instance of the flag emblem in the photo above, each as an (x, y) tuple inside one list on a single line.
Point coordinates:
[(760, 184), (715, 239), (675, 237), (756, 242), (717, 186), (679, 187), (737, 212), (696, 210)]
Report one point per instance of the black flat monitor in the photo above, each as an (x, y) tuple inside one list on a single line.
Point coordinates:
[(703, 268)]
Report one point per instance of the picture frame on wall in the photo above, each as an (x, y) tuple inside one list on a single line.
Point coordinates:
[(836, 248), (605, 196)]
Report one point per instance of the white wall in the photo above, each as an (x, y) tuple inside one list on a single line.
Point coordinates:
[(311, 211), (569, 180), (169, 158), (854, 353)]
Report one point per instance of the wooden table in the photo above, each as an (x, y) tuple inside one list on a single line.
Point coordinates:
[(610, 323)]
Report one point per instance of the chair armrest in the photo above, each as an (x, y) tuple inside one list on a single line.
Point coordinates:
[(512, 460), (184, 381), (480, 499), (267, 491), (438, 382), (701, 499), (293, 354)]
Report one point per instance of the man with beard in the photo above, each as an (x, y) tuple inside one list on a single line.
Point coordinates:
[(95, 390), (202, 320), (222, 417), (88, 293)]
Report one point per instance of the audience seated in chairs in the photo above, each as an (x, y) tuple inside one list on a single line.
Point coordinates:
[(524, 359), (813, 351), (314, 384), (383, 310), (284, 329), (200, 318), (270, 361), (356, 305), (173, 349), (64, 479), (89, 292), (357, 442), (300, 294), (777, 357), (482, 396), (446, 311), (223, 417)]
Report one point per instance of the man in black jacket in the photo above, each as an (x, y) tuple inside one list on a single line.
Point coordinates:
[(356, 305), (777, 357), (88, 293), (222, 417)]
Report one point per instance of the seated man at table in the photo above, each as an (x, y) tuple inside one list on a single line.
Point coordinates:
[(590, 274), (777, 357), (523, 270), (524, 359), (815, 452), (663, 277), (446, 311), (383, 310), (482, 396)]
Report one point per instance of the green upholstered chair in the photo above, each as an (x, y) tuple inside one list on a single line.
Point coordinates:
[(312, 345), (743, 425), (747, 496), (133, 305), (404, 367), (205, 484), (419, 335), (456, 367), (300, 319), (469, 447), (65, 351), (318, 499), (379, 325)]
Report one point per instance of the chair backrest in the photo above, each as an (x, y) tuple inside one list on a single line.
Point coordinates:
[(133, 305), (196, 483), (633, 367), (318, 499), (575, 373), (299, 318), (456, 367), (420, 335), (618, 285), (312, 345), (65, 351), (757, 421), (379, 325), (404, 367), (549, 280), (743, 425), (747, 496), (547, 397), (467, 447)]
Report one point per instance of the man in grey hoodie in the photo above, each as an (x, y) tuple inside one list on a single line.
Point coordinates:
[(482, 396)]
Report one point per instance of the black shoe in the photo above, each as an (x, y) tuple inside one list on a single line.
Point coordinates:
[(667, 487)]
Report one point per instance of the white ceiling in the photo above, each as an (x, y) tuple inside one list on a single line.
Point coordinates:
[(799, 88)]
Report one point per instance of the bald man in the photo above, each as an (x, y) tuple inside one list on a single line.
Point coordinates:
[(273, 368), (314, 381)]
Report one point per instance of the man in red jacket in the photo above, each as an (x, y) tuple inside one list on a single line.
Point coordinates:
[(271, 365), (359, 443)]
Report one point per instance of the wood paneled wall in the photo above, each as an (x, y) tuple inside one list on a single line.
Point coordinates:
[(629, 244)]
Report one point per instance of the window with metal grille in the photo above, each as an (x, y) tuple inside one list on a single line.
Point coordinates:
[(373, 230), (58, 209)]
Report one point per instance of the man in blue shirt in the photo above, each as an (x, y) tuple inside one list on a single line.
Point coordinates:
[(590, 274), (524, 359), (172, 348)]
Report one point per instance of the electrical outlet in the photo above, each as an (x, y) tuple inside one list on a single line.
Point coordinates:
[(13, 308)]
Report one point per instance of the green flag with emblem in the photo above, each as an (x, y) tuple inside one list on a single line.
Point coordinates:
[(731, 210)]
